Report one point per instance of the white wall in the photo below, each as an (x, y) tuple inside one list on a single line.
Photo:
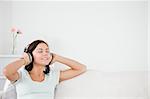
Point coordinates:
[(5, 22), (109, 36), (149, 49)]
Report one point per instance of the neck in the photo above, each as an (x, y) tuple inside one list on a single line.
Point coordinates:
[(37, 70)]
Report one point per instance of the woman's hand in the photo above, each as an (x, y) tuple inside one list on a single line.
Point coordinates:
[(27, 58), (52, 58)]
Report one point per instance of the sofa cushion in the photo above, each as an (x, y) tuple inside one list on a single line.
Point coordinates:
[(88, 85)]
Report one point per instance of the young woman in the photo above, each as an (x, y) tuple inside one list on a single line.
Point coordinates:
[(32, 73)]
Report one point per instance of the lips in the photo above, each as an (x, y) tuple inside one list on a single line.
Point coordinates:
[(44, 58)]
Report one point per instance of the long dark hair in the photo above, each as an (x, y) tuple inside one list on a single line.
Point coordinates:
[(29, 49)]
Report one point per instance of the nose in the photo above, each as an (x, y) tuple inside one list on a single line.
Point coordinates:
[(46, 53)]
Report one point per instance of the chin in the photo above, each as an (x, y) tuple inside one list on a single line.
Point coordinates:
[(45, 63)]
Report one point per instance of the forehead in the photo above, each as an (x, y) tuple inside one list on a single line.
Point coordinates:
[(42, 46)]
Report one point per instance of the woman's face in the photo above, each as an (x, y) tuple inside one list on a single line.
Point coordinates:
[(41, 54)]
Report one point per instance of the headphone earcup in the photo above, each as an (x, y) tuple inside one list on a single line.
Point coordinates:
[(30, 57)]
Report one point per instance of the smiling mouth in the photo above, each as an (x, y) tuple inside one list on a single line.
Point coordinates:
[(44, 58)]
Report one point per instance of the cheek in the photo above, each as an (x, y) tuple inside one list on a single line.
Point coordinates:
[(37, 57)]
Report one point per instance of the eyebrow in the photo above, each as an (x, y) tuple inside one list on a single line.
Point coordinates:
[(42, 49)]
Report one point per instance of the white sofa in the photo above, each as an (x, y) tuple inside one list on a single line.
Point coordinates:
[(98, 85)]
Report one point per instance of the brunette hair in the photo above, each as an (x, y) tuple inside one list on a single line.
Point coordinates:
[(29, 49)]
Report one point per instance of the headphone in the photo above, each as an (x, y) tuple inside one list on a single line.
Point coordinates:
[(30, 56), (26, 48)]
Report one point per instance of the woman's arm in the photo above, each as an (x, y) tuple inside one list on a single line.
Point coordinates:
[(10, 71), (76, 67)]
